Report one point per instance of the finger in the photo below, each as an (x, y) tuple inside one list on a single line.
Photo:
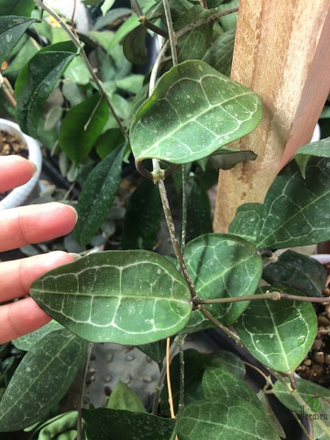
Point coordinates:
[(17, 276), (15, 171), (20, 318), (34, 224)]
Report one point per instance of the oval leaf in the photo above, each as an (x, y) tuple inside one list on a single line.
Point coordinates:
[(125, 297), (41, 380), (193, 111), (142, 218), (221, 265), (97, 196), (217, 383), (229, 419), (105, 424), (75, 139), (12, 29), (39, 78), (278, 333), (134, 46), (123, 397), (298, 271), (295, 210)]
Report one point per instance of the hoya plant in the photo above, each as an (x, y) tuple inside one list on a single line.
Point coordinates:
[(177, 122)]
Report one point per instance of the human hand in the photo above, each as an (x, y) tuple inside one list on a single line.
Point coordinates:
[(20, 227)]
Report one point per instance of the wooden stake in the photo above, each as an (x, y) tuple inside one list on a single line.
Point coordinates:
[(282, 52)]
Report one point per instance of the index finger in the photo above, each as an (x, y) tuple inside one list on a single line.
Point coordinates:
[(15, 171)]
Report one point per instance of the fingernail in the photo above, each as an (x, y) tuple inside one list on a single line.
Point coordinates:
[(34, 166), (76, 214), (75, 256)]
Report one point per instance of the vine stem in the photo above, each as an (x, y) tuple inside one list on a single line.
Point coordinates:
[(162, 375), (184, 208), (168, 378), (83, 386), (181, 339), (294, 393), (274, 296), (78, 45), (171, 33), (301, 425)]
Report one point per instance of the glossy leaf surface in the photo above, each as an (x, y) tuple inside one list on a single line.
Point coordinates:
[(320, 149), (105, 424), (278, 333), (298, 271), (134, 46), (12, 29), (217, 383), (295, 210), (41, 380), (133, 297), (16, 7), (221, 265), (230, 419), (193, 111), (37, 80), (97, 196)]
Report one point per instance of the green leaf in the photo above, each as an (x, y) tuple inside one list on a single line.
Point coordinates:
[(73, 93), (122, 107), (229, 419), (105, 424), (228, 22), (52, 117), (134, 46), (218, 383), (195, 364), (305, 388), (27, 51), (193, 111), (319, 149), (247, 222), (271, 417), (109, 141), (106, 6), (12, 29), (220, 54), (194, 367), (298, 271), (278, 333), (128, 25), (156, 350), (198, 212), (228, 360), (92, 2), (296, 209), (39, 78), (194, 44), (97, 196), (16, 7), (26, 342), (110, 17), (41, 380), (77, 72), (123, 397), (142, 218), (125, 297), (221, 265), (226, 158), (132, 83), (74, 139)]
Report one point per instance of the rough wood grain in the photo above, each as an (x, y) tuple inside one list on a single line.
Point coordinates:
[(281, 53)]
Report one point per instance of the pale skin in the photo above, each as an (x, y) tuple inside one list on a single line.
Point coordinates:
[(20, 227)]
